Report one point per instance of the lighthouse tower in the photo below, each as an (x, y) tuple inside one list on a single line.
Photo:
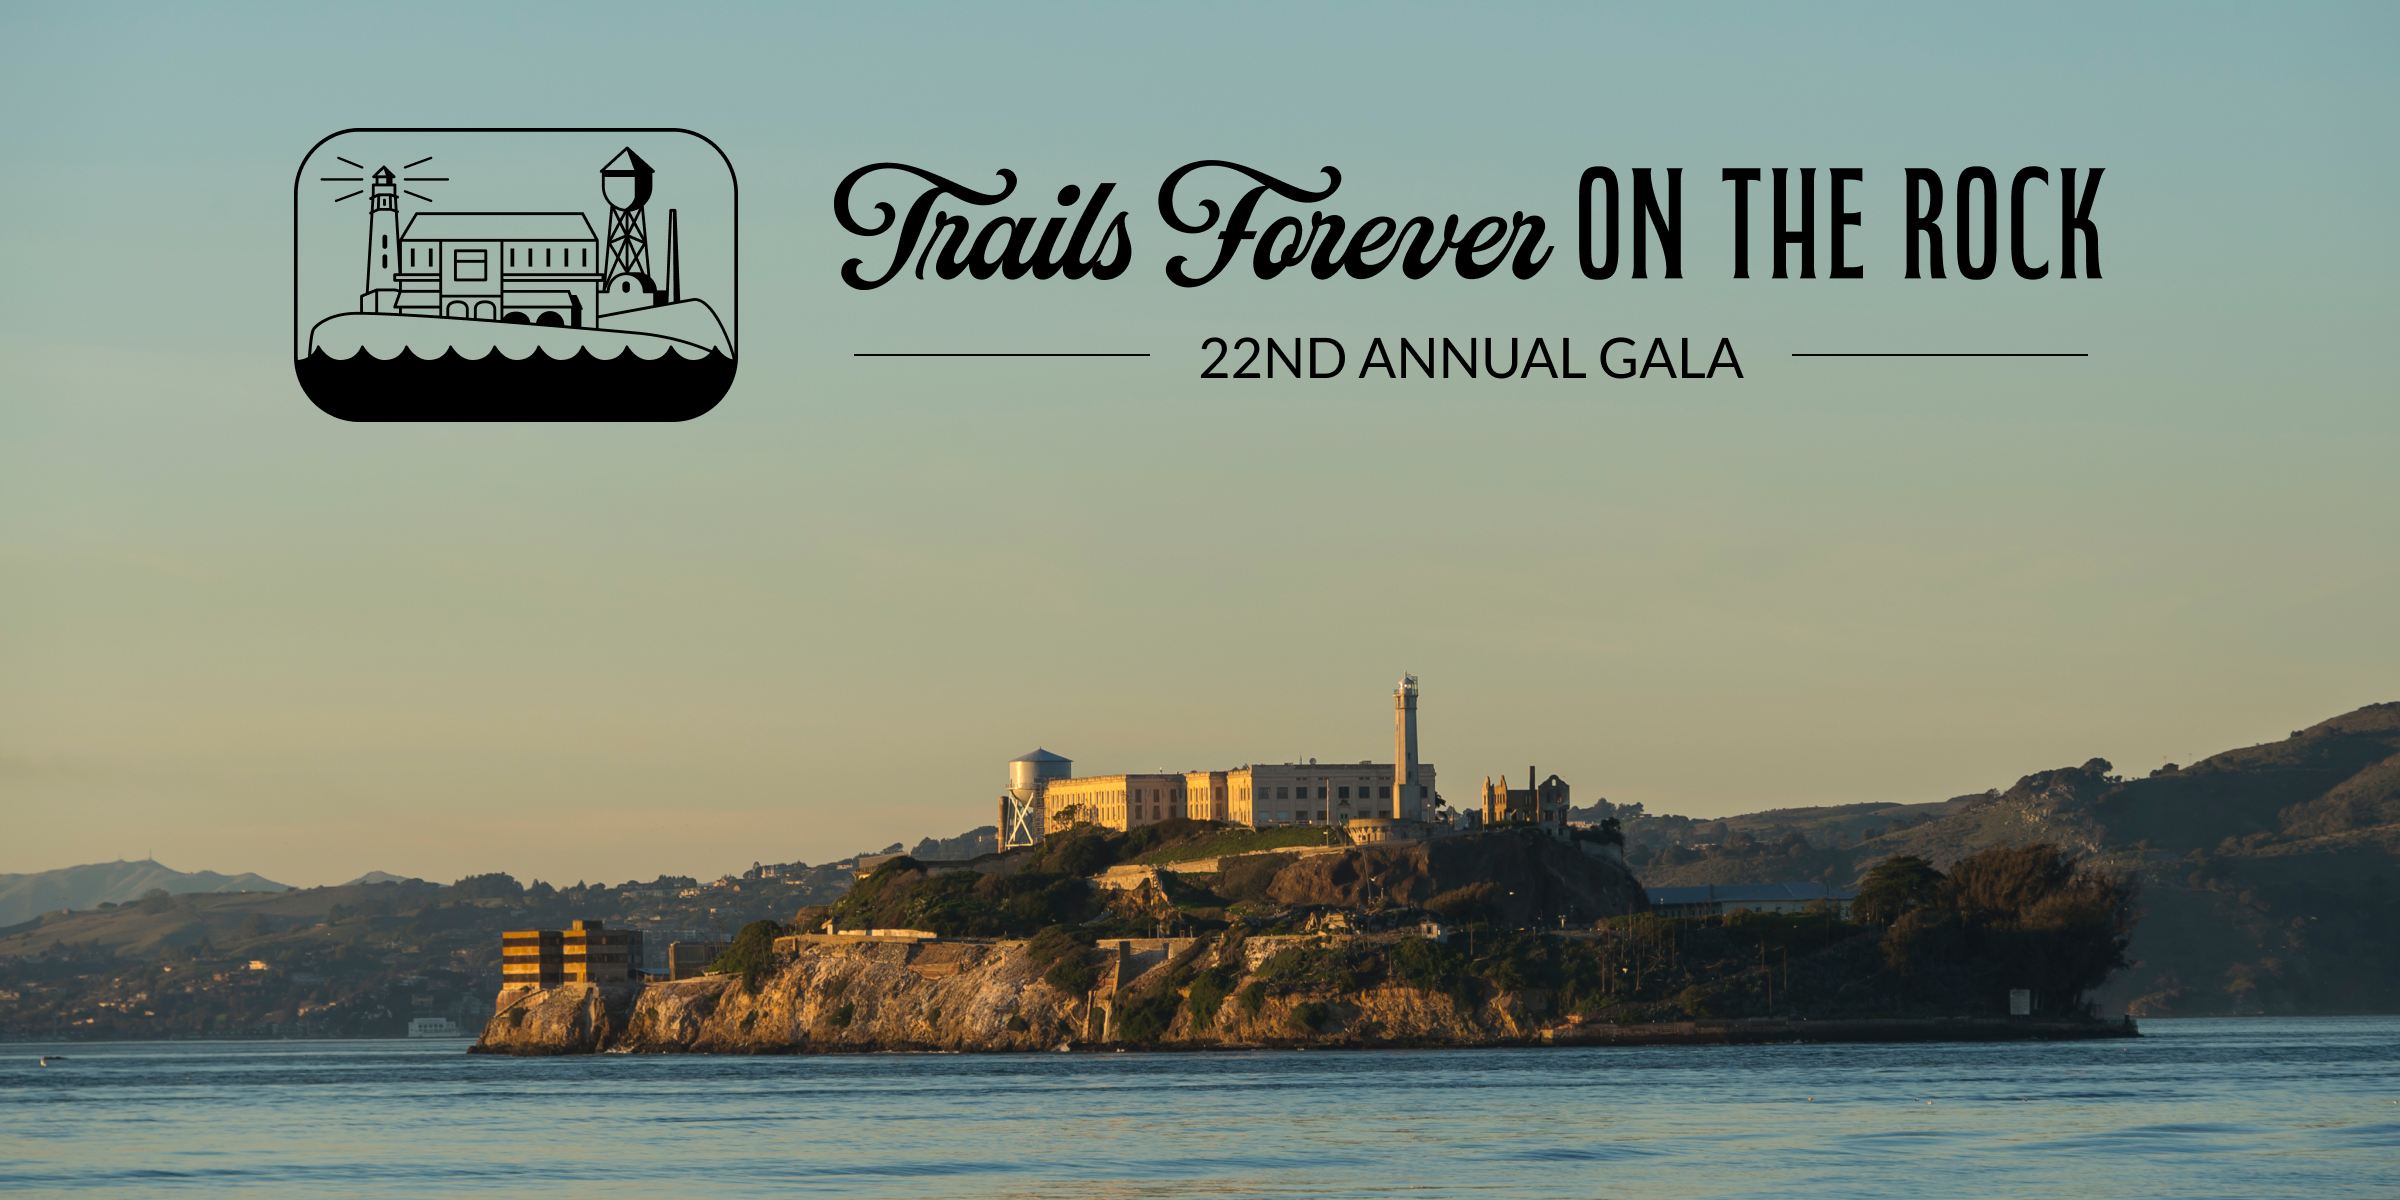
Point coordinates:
[(1408, 800), (383, 245)]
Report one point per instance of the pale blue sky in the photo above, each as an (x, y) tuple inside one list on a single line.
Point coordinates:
[(822, 617)]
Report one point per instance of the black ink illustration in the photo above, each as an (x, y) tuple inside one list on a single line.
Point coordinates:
[(479, 313)]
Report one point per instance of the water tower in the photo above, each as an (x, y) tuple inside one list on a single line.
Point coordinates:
[(1023, 815), (625, 281)]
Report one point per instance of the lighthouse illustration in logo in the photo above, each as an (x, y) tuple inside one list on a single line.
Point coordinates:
[(474, 313), (383, 231)]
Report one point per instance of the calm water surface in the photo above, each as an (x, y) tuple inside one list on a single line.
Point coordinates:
[(2199, 1108)]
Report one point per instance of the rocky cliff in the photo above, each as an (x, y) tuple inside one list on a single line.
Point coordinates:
[(1458, 942), (837, 994), (862, 994)]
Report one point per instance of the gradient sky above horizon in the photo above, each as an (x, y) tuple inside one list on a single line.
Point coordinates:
[(247, 637)]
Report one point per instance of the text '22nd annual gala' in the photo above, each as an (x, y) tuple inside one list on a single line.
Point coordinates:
[(1619, 357)]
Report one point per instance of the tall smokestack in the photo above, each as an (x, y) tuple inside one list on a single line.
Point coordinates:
[(1405, 801)]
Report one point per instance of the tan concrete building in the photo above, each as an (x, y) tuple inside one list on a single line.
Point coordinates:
[(1044, 794), (1269, 794), (1116, 801), (1208, 795), (587, 952)]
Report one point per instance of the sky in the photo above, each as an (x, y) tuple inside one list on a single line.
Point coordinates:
[(243, 636)]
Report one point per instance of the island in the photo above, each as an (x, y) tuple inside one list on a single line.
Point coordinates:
[(1194, 935)]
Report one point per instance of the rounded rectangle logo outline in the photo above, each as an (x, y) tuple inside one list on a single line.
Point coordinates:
[(697, 401)]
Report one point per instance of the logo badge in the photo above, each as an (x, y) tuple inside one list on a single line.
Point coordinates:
[(515, 274)]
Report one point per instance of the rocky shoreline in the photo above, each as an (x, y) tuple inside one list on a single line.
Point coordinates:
[(863, 995)]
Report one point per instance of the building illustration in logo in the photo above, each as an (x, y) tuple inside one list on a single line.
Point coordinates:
[(485, 315), (517, 267)]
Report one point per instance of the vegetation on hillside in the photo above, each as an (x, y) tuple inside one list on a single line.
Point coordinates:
[(903, 894), (1211, 840), (2267, 872), (1894, 886), (751, 956), (1047, 887), (2032, 918)]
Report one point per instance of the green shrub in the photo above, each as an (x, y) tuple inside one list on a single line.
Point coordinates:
[(1293, 964), (1505, 975), (1051, 944), (1310, 1016), (1230, 945), (1252, 998), (1209, 990), (752, 954), (840, 1018), (1473, 902), (1344, 969), (1185, 840), (900, 894), (1017, 1023), (1429, 966), (1073, 974), (1148, 840), (1081, 851), (1143, 1018)]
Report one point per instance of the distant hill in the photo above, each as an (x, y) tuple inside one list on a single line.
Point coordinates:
[(379, 877), (350, 961), (22, 897), (978, 841), (2267, 872)]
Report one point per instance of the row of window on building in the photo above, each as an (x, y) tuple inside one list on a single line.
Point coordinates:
[(1324, 792), (474, 265), (1340, 793)]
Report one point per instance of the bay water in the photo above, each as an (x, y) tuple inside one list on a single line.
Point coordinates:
[(2195, 1108)]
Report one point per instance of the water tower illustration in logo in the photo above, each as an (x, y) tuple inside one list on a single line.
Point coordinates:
[(487, 295)]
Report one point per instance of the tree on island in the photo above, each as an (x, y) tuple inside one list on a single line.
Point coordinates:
[(2029, 917), (751, 955), (1895, 885)]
